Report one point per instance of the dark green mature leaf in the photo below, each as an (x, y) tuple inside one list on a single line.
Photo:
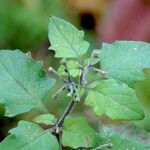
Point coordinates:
[(23, 83), (66, 40), (125, 60), (77, 133), (47, 119), (124, 138), (114, 99), (29, 136)]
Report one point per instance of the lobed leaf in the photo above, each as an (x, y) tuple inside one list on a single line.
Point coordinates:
[(66, 40), (125, 60), (114, 99), (29, 136), (23, 83), (77, 133)]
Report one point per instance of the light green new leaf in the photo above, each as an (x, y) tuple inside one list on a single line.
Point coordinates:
[(125, 60), (73, 66), (23, 83), (123, 138), (114, 99), (47, 119), (66, 40), (29, 136), (94, 61), (77, 133)]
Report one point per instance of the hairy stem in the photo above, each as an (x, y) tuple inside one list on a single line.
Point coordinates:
[(89, 65), (67, 70), (52, 70), (60, 141), (65, 113), (109, 145), (103, 73), (59, 91)]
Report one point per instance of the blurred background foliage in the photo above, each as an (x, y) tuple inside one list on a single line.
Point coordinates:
[(23, 25)]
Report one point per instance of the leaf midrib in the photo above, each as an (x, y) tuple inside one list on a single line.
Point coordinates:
[(66, 39), (42, 107)]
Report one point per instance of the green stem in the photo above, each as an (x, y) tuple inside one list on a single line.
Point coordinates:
[(66, 113), (109, 145)]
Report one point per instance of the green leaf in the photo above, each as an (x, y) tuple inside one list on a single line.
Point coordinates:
[(29, 136), (114, 99), (77, 133), (124, 138), (95, 61), (73, 66), (66, 40), (125, 60), (23, 83), (47, 119)]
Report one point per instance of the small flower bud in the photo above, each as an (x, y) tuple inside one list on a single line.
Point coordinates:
[(104, 73), (63, 61), (69, 94), (50, 69)]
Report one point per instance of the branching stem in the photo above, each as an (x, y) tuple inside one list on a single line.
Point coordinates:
[(86, 69), (73, 92)]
